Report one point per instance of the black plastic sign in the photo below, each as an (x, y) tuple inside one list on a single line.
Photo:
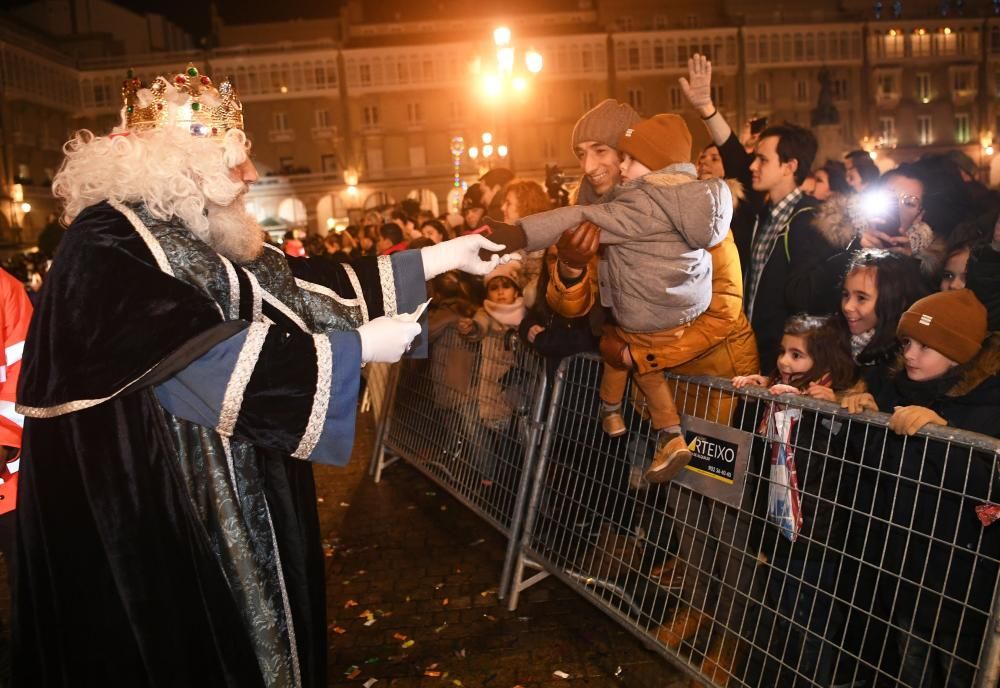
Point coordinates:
[(719, 456)]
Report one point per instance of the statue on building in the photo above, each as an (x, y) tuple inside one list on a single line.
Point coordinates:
[(825, 111)]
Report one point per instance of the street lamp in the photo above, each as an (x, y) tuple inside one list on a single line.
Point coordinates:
[(489, 153)]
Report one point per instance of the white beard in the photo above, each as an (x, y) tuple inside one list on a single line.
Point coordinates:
[(233, 232)]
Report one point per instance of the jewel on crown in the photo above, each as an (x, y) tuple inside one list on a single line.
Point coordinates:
[(188, 100)]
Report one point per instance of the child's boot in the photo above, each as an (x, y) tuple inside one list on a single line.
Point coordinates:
[(612, 422), (672, 454)]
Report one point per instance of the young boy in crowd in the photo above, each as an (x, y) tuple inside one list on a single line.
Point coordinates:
[(928, 538), (655, 274)]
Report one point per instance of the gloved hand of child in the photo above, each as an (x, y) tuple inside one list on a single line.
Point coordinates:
[(858, 402), (907, 420), (511, 236)]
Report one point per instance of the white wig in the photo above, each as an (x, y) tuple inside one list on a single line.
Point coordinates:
[(174, 173)]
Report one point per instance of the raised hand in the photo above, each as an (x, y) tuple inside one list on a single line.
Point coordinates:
[(698, 86)]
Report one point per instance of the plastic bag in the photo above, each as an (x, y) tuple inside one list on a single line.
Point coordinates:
[(783, 499)]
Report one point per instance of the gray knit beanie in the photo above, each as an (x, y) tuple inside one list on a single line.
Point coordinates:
[(604, 123)]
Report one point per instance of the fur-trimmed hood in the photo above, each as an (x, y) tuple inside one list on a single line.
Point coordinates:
[(839, 221), (985, 366)]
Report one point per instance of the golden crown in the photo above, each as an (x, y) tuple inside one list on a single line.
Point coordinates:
[(189, 100)]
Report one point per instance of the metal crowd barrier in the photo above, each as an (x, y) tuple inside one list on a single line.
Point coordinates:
[(469, 418), (874, 570)]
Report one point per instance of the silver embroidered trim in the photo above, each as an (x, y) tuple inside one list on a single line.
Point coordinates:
[(352, 277), (388, 285), (233, 399), (151, 243), (321, 399), (289, 621), (234, 288), (71, 406), (275, 249), (280, 305), (228, 449), (326, 291), (255, 292)]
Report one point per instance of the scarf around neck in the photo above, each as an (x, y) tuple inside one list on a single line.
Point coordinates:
[(507, 314), (859, 342)]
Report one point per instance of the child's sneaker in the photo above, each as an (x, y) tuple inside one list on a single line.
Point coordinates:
[(672, 454), (612, 422)]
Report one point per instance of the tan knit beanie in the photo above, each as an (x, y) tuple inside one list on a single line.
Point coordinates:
[(604, 123), (950, 322), (658, 141)]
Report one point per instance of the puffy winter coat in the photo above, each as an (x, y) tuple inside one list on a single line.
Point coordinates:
[(656, 274)]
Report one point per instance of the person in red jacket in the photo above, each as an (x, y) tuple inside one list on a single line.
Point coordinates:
[(15, 313)]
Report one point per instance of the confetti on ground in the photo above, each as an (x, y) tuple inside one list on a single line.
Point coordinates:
[(477, 542), (408, 644), (456, 682), (410, 508), (349, 604), (444, 508), (560, 674), (339, 631), (444, 602), (432, 674), (400, 636), (487, 593), (373, 660), (431, 494), (487, 483), (345, 504), (369, 622), (319, 499), (461, 653), (370, 682), (489, 617), (441, 627), (352, 672), (362, 572)]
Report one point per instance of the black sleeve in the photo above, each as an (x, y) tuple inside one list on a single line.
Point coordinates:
[(814, 267), (984, 281)]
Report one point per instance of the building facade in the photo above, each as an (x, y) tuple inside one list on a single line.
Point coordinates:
[(355, 111)]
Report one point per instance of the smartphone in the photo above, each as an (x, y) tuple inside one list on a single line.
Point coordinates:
[(758, 125)]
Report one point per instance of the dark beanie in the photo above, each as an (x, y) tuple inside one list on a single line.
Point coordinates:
[(952, 323), (658, 141), (604, 123)]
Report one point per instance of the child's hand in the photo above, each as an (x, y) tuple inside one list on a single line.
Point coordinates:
[(858, 402), (783, 389), (533, 332), (821, 392), (907, 420), (465, 326), (741, 381)]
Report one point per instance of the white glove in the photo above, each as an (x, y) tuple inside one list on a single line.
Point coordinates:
[(385, 340), (461, 253)]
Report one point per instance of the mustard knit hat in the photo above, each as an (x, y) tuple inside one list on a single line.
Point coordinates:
[(658, 141), (950, 322)]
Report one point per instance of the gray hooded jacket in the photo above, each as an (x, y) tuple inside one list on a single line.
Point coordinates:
[(655, 273)]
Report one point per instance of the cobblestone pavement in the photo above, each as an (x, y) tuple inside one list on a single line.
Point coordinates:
[(426, 570)]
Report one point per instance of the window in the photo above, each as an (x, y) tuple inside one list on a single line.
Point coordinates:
[(947, 42), (892, 44), (659, 57), (887, 86), (329, 163), (373, 156), (840, 89), (763, 92), (370, 115), (635, 99), (887, 129), (718, 95), (633, 57), (921, 42), (801, 91), (924, 87), (413, 113), (418, 158), (963, 127), (963, 82), (660, 22), (675, 98), (279, 121), (365, 74), (323, 119), (925, 133), (286, 164), (625, 23), (588, 100)]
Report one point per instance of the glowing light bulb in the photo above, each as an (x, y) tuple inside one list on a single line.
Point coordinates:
[(487, 150), (330, 223), (25, 207), (492, 85), (501, 36), (505, 60), (473, 152), (502, 151), (487, 137), (519, 83), (533, 61)]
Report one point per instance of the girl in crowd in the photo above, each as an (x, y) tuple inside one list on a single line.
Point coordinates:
[(798, 491), (522, 198), (877, 288)]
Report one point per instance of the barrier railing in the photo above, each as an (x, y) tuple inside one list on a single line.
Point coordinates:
[(802, 545), (469, 418)]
